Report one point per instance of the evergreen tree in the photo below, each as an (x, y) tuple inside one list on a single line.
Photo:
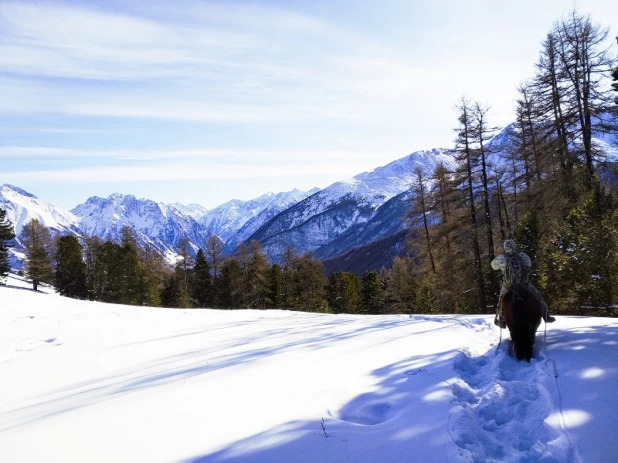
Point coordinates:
[(110, 274), (182, 297), (7, 235), (308, 284), (70, 276), (580, 264), (275, 289), (132, 285), (256, 276), (94, 275), (36, 238), (426, 301), (527, 236), (401, 287), (372, 293), (169, 293), (174, 294), (202, 286), (344, 293), (288, 297), (231, 285)]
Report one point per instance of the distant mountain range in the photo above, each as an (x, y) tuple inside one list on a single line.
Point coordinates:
[(158, 225), (352, 224), (329, 222)]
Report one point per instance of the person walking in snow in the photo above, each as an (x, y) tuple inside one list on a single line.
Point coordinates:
[(514, 266)]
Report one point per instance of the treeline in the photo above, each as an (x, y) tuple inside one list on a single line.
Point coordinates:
[(551, 189), (125, 273)]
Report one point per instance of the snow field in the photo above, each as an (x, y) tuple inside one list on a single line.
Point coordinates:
[(84, 381)]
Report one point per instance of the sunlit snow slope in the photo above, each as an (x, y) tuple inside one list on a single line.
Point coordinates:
[(83, 381)]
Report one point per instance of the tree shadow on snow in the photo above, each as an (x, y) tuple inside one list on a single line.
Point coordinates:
[(468, 408), (186, 364), (402, 420)]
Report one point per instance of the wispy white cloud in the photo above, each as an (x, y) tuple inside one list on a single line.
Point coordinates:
[(186, 171), (229, 157), (208, 63)]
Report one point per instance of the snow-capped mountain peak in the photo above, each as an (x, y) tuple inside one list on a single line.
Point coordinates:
[(22, 207)]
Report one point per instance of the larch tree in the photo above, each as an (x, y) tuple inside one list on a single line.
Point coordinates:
[(36, 238), (420, 209), (467, 157), (214, 249), (584, 62)]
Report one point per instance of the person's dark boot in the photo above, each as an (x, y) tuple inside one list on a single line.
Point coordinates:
[(550, 319)]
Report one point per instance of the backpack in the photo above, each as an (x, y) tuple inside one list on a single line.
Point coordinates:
[(515, 272)]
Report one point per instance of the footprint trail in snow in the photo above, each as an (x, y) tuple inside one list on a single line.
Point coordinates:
[(500, 410)]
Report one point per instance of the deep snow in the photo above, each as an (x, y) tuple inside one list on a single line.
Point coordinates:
[(84, 381)]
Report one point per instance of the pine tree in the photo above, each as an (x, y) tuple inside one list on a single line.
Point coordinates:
[(36, 238), (93, 275), (401, 286), (182, 296), (372, 293), (231, 285), (426, 301), (110, 273), (70, 275), (256, 276), (579, 267), (344, 293), (309, 284), (7, 235), (288, 296), (202, 287), (132, 285), (275, 288)]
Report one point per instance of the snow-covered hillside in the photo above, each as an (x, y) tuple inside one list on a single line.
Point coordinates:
[(21, 207), (236, 220), (84, 381), (155, 224), (343, 207)]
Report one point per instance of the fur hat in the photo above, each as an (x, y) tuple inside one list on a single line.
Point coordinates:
[(510, 246)]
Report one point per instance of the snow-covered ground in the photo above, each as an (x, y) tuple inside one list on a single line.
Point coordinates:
[(82, 381)]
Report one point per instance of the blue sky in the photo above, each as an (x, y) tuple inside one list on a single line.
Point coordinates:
[(196, 101)]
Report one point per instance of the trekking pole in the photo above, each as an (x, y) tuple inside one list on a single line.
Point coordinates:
[(545, 337)]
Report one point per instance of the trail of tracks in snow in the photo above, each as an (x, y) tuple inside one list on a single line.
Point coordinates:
[(501, 407)]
